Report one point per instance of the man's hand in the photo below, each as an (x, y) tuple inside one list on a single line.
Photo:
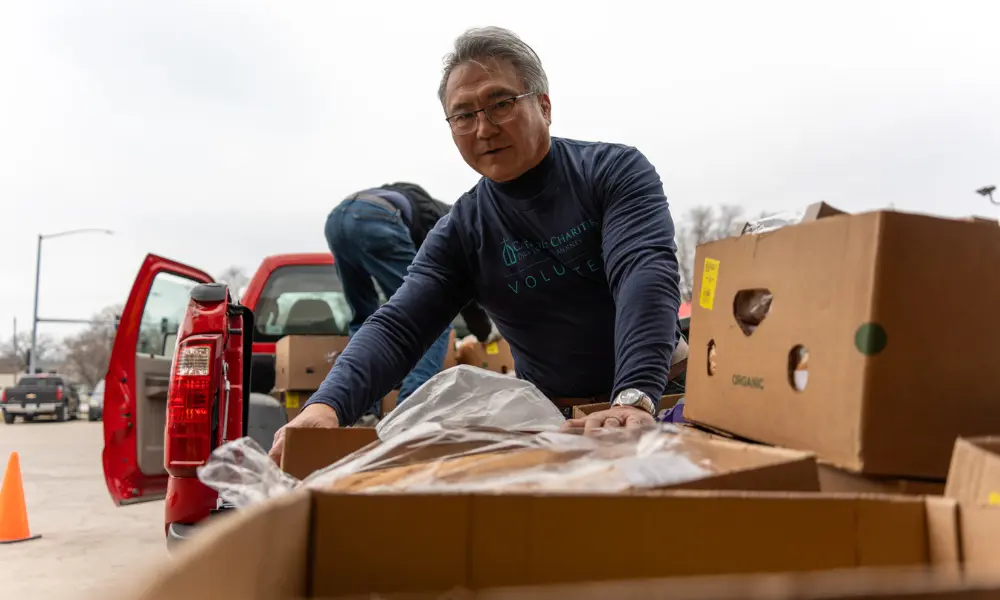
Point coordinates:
[(317, 415), (616, 416)]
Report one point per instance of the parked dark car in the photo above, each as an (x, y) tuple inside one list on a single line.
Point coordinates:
[(40, 395)]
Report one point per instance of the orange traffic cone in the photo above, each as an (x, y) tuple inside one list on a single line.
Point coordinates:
[(13, 511)]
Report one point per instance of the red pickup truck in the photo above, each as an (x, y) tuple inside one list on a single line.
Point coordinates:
[(159, 425), (178, 386)]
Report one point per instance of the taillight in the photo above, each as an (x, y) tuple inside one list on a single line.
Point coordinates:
[(3, 395), (189, 405), (59, 393)]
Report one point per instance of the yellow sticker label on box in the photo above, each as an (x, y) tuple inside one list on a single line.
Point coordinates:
[(709, 279), (492, 348), (994, 499), (291, 399)]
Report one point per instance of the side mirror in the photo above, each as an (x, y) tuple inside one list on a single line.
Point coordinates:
[(169, 345)]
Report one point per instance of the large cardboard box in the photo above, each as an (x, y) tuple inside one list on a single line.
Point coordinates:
[(737, 466), (302, 362), (879, 347), (312, 544)]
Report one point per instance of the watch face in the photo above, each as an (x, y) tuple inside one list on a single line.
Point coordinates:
[(629, 397)]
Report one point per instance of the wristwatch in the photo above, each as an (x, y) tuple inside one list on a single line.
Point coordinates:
[(636, 399)]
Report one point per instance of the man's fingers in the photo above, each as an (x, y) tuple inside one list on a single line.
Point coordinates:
[(613, 421), (634, 422), (277, 446)]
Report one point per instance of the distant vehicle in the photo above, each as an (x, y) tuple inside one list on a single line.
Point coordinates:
[(95, 409), (40, 395)]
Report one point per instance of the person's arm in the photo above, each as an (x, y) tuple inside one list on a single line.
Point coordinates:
[(640, 259), (393, 339), (477, 321)]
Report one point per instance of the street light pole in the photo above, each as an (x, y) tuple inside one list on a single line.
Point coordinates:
[(38, 276), (34, 316)]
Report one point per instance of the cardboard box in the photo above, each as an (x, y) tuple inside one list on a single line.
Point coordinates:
[(313, 544), (974, 481), (834, 480), (495, 356), (974, 475), (302, 362), (886, 390), (738, 466), (309, 450)]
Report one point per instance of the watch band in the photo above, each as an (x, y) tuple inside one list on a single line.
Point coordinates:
[(636, 399)]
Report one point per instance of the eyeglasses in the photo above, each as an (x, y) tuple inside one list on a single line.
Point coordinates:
[(497, 113)]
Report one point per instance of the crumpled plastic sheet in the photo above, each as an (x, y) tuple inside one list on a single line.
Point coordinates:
[(470, 396), (435, 458), (471, 430)]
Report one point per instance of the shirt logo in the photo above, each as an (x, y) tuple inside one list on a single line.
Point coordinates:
[(509, 254)]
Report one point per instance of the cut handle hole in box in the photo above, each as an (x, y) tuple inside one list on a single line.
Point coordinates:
[(798, 368), (710, 362), (750, 308)]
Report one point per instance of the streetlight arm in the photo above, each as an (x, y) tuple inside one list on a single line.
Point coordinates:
[(75, 231)]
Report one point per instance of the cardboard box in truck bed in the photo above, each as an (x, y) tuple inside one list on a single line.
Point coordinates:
[(878, 349)]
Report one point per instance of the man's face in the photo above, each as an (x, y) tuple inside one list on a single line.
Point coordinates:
[(499, 152)]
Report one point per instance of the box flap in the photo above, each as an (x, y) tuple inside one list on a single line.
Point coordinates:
[(308, 450), (974, 474)]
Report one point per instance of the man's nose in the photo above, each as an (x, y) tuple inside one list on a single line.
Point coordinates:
[(484, 128)]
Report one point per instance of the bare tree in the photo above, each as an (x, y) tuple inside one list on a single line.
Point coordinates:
[(19, 350), (703, 224), (88, 353), (236, 278)]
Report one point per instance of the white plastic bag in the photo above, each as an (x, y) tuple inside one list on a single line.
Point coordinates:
[(473, 397)]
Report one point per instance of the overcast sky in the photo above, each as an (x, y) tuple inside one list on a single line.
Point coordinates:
[(217, 133)]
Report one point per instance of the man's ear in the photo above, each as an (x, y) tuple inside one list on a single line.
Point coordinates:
[(546, 105)]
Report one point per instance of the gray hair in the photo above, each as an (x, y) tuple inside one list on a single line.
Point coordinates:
[(496, 42)]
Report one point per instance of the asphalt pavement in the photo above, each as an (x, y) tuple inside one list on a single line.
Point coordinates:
[(88, 545)]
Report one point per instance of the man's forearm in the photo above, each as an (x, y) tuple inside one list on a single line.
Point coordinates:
[(645, 329)]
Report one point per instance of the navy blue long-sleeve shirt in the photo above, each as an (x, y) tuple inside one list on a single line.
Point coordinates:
[(575, 263)]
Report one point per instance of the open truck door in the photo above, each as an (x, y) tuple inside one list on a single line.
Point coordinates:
[(135, 395)]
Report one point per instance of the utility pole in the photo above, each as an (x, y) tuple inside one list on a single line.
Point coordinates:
[(34, 318)]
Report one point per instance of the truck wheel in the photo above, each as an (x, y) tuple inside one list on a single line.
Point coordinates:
[(8, 418), (61, 414)]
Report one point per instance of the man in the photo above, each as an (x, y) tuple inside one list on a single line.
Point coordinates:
[(374, 235), (568, 245)]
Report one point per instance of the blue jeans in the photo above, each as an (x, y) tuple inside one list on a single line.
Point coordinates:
[(369, 241)]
